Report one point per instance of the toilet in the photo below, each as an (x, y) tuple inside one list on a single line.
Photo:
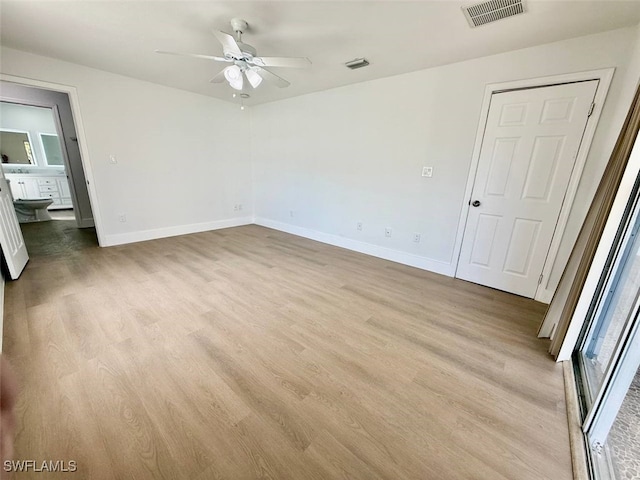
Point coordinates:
[(32, 210)]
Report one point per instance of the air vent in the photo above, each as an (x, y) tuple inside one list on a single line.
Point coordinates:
[(487, 12), (357, 63)]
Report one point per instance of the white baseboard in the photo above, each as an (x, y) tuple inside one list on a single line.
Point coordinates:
[(404, 258), (141, 236), (545, 296)]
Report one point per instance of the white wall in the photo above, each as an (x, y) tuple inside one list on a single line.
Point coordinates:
[(334, 158), (354, 154), (183, 159)]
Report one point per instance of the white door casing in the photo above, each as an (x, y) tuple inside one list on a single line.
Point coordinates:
[(531, 140), (11, 240)]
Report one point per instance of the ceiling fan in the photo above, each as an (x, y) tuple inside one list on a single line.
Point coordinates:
[(244, 60)]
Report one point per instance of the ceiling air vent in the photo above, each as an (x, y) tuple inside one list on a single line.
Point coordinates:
[(487, 12), (357, 63)]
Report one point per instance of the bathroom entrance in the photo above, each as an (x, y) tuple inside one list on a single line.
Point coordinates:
[(42, 164)]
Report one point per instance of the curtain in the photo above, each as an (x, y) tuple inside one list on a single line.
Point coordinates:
[(573, 278)]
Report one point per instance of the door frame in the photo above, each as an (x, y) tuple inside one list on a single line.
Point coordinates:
[(604, 76), (74, 102)]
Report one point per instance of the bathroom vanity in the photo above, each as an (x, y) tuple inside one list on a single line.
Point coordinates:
[(55, 187)]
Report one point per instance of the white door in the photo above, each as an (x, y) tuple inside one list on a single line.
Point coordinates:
[(11, 241), (529, 148)]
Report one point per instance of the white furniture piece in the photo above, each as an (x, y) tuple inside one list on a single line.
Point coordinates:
[(33, 186)]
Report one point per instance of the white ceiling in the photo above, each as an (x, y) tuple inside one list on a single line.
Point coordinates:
[(395, 36)]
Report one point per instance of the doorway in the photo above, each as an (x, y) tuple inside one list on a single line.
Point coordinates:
[(48, 165), (70, 156), (530, 151)]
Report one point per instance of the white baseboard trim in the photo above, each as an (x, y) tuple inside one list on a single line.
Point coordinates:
[(141, 236), (397, 256), (545, 296)]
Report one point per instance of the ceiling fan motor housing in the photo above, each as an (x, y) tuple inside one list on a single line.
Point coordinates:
[(239, 25)]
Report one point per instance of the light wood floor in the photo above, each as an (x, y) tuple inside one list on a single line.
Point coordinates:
[(249, 353)]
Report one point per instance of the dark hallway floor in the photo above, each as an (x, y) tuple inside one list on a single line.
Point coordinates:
[(57, 236)]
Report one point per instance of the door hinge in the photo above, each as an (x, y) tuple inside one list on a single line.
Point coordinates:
[(540, 279), (591, 108)]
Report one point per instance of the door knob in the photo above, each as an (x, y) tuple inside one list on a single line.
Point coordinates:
[(476, 203)]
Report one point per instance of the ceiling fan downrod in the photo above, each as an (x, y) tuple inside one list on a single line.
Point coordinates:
[(239, 26)]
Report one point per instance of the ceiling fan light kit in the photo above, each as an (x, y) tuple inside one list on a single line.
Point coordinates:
[(233, 74), (246, 63), (253, 76)]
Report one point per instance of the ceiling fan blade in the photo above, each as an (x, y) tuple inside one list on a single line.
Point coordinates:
[(229, 44), (293, 62), (219, 78), (272, 77), (194, 55)]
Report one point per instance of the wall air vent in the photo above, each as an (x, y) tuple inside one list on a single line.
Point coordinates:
[(357, 63), (487, 12)]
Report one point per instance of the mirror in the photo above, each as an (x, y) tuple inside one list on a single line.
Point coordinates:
[(15, 147), (52, 150)]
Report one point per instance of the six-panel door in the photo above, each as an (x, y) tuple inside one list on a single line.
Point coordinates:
[(528, 151)]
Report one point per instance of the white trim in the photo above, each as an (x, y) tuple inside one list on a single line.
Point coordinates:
[(397, 256), (74, 101), (602, 252), (604, 76), (143, 235)]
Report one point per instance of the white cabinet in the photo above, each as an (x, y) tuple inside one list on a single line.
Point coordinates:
[(24, 187), (38, 186), (57, 189), (65, 192)]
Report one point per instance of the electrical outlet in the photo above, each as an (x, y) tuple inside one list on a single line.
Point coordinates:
[(240, 207), (237, 207), (359, 226), (122, 218), (416, 237), (113, 159), (427, 172), (387, 232)]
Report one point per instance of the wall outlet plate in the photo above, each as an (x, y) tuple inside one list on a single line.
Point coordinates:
[(427, 172)]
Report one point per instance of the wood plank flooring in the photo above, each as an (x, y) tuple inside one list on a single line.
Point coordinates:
[(248, 353)]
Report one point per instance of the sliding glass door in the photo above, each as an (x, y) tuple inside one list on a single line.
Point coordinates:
[(608, 357)]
